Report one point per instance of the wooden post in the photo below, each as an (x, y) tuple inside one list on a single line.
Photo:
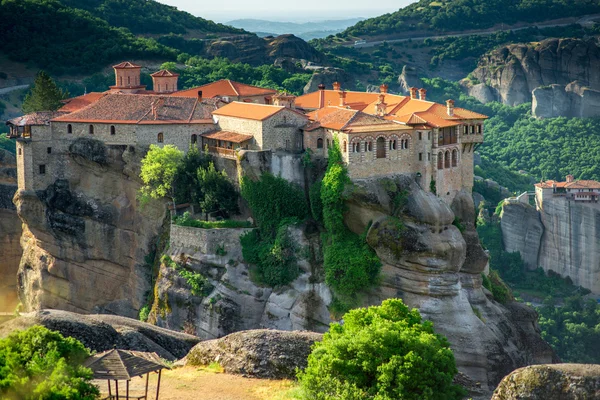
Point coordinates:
[(147, 379), (117, 388), (127, 384), (109, 389), (158, 385)]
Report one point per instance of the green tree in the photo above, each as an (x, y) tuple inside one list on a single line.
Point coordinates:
[(187, 189), (382, 352), (159, 171), (219, 194), (39, 364), (45, 95)]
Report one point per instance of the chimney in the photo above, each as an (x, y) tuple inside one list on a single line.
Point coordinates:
[(342, 98), (413, 92), (422, 94), (450, 107), (570, 178), (199, 95), (381, 106), (321, 95), (337, 86), (383, 88)]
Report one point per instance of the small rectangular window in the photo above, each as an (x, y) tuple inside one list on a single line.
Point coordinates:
[(20, 151), (428, 135), (49, 150), (42, 169), (420, 156), (428, 156), (420, 135)]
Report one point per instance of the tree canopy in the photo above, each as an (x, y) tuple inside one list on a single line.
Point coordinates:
[(39, 364), (159, 171), (44, 95), (381, 352)]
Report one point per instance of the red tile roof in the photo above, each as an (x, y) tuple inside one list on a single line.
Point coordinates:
[(143, 109), (579, 184), (254, 111), (348, 120), (77, 103), (227, 136), (225, 87), (126, 65), (164, 73), (36, 118)]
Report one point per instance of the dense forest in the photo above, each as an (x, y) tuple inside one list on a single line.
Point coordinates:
[(457, 15)]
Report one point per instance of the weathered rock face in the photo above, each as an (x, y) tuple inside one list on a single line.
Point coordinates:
[(572, 100), (106, 332), (258, 353), (10, 233), (567, 235), (327, 76), (515, 70), (551, 382), (434, 267), (522, 231), (85, 237)]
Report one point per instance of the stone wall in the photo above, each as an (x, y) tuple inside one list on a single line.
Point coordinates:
[(282, 131), (207, 241)]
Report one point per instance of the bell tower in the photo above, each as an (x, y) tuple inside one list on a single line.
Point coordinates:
[(127, 78), (164, 81)]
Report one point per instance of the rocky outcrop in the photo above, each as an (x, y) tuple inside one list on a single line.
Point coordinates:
[(561, 236), (105, 332), (551, 382), (522, 231), (409, 78), (515, 70), (572, 100), (86, 239), (327, 76), (259, 353), (10, 233)]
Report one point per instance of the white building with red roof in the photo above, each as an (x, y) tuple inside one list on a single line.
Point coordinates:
[(580, 191)]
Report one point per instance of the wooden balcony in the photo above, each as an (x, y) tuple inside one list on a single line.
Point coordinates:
[(222, 152)]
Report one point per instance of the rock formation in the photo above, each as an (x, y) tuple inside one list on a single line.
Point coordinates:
[(10, 233), (562, 236), (515, 70), (105, 332), (551, 382), (572, 100), (327, 76), (86, 239), (257, 353)]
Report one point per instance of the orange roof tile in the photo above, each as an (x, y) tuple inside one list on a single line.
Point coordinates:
[(77, 103), (343, 119), (125, 65), (227, 136), (254, 111), (164, 73), (225, 87), (36, 118), (583, 184)]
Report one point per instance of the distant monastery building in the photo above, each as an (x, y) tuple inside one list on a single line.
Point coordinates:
[(379, 133)]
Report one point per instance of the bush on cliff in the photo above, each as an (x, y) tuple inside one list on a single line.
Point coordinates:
[(43, 365), (381, 352)]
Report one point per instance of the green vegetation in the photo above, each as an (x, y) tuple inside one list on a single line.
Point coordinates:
[(44, 95), (351, 266), (187, 220), (572, 328), (159, 171), (144, 313), (7, 144), (198, 284), (218, 192), (381, 352), (460, 15), (270, 248), (39, 364)]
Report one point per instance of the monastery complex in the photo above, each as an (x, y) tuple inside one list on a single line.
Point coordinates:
[(379, 133)]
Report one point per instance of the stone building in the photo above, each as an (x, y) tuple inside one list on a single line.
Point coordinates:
[(229, 91), (580, 191), (382, 134)]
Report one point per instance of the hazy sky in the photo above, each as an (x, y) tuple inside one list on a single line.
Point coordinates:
[(281, 10)]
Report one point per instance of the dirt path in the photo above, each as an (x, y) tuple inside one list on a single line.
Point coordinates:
[(191, 383)]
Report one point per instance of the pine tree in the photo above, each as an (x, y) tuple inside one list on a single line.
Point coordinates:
[(45, 95)]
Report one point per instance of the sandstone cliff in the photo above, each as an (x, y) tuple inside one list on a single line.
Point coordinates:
[(562, 236), (515, 70), (427, 262), (85, 237), (10, 233)]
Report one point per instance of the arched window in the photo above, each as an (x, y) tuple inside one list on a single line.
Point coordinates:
[(120, 81), (112, 130), (160, 138), (194, 139), (129, 80), (91, 129), (20, 151), (328, 143), (454, 158), (440, 160), (393, 144), (356, 147), (380, 147), (404, 144), (166, 87), (369, 146), (345, 146), (447, 159), (69, 128), (319, 143)]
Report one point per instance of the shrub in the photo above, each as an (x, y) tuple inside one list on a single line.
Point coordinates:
[(381, 352), (41, 364), (144, 313), (187, 220)]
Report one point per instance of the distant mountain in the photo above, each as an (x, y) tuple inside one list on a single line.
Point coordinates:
[(306, 30)]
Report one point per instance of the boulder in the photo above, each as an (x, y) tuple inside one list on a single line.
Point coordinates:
[(257, 353), (104, 332), (481, 92), (551, 382)]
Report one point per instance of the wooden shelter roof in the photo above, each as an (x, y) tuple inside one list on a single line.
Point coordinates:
[(122, 365)]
